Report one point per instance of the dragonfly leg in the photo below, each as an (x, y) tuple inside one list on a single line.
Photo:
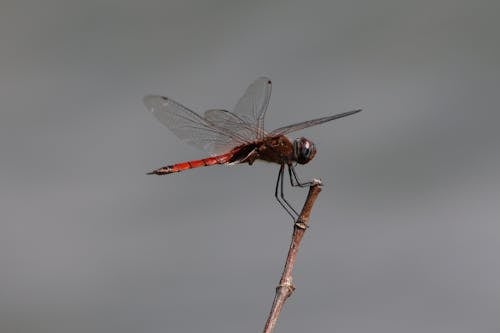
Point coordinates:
[(281, 198), (294, 177)]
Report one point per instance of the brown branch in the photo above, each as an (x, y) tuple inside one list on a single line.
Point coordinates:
[(286, 287)]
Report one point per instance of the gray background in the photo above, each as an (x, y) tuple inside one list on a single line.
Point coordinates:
[(404, 237)]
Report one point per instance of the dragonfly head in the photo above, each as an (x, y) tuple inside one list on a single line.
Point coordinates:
[(304, 150)]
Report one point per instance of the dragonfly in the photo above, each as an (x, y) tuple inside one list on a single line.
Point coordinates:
[(238, 136)]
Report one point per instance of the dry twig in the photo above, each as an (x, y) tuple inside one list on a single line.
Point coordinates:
[(286, 287)]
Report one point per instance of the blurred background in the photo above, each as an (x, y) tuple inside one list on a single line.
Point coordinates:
[(403, 238)]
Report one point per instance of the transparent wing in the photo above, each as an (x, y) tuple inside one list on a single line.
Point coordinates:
[(309, 123), (232, 123), (251, 107), (191, 127)]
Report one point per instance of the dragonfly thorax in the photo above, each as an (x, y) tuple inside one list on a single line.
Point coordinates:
[(304, 150)]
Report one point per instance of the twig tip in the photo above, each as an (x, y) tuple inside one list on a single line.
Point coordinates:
[(316, 181)]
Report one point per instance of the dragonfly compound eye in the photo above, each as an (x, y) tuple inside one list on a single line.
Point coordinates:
[(304, 150)]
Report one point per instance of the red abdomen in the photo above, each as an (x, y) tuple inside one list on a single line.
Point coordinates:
[(220, 159)]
